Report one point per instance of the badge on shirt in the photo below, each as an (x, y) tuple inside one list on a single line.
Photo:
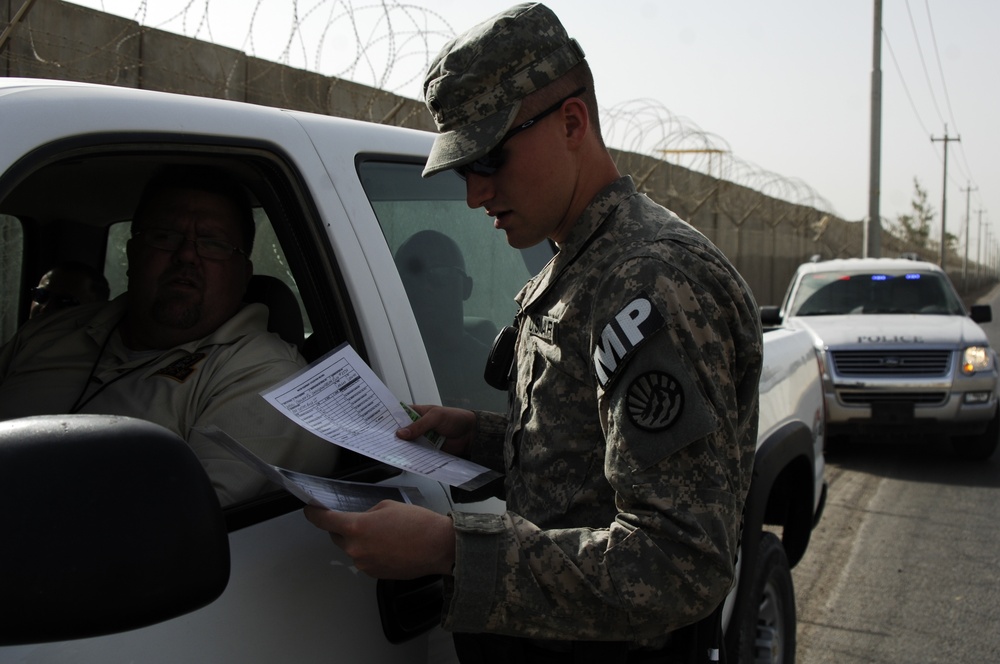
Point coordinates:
[(637, 321), (181, 369), (543, 327)]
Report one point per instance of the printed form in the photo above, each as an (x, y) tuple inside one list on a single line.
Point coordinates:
[(332, 494), (340, 399)]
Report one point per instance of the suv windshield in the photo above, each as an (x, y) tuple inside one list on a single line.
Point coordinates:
[(833, 293)]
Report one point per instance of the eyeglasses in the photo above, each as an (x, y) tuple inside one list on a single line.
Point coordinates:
[(41, 295), (491, 162), (207, 247)]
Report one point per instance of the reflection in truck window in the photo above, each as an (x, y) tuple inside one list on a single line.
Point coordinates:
[(407, 206), (437, 284)]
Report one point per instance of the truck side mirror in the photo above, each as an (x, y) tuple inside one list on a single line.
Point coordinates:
[(981, 313), (109, 523), (770, 316)]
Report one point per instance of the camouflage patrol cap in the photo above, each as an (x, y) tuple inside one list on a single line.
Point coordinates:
[(475, 85)]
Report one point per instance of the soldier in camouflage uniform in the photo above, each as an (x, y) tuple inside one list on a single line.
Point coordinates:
[(629, 441)]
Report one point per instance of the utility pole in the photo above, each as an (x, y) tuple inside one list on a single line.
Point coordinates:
[(18, 15), (986, 254), (944, 189), (965, 262), (873, 245), (979, 247)]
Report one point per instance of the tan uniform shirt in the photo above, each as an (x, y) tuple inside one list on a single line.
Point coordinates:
[(76, 358), (629, 441)]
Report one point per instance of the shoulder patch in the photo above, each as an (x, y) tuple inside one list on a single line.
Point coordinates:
[(654, 400), (622, 334), (181, 369)]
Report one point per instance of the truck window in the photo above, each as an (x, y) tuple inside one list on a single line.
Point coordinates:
[(115, 262), (91, 223), (269, 259), (11, 288), (460, 274)]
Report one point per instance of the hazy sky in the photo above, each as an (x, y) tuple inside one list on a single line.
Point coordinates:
[(785, 85)]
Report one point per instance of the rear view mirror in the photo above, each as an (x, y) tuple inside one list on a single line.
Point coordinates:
[(109, 524), (770, 316), (981, 313)]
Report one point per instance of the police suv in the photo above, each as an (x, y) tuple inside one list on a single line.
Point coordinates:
[(903, 357), (114, 546)]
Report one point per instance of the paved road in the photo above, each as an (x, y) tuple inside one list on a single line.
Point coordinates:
[(905, 564)]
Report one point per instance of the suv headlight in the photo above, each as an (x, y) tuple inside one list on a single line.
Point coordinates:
[(976, 358)]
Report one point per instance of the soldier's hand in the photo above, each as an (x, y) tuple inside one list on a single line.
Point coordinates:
[(456, 425), (391, 540)]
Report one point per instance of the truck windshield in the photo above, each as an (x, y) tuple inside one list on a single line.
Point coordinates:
[(837, 293)]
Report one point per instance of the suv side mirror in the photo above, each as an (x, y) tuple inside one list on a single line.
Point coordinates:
[(770, 316), (109, 524), (981, 313)]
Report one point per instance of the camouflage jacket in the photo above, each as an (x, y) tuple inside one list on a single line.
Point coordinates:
[(629, 441)]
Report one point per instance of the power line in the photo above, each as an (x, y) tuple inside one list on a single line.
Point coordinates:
[(964, 168), (965, 261), (923, 63), (937, 57), (902, 80), (944, 87)]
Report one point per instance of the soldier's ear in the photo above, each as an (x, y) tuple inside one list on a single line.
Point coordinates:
[(576, 119)]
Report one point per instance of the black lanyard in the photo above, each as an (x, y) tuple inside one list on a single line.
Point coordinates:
[(80, 401)]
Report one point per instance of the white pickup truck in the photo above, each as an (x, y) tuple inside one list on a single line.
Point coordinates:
[(114, 546)]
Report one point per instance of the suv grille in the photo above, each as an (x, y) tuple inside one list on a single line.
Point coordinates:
[(916, 398), (892, 363)]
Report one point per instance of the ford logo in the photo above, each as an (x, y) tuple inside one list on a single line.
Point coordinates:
[(891, 362)]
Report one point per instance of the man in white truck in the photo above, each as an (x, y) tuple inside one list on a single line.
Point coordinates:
[(180, 348), (629, 440)]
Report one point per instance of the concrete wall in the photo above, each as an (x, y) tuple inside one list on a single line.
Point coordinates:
[(61, 40), (766, 238)]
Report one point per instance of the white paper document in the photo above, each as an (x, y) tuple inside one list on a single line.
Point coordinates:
[(332, 494), (340, 399)]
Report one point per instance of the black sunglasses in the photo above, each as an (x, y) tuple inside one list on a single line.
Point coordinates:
[(168, 240), (44, 296), (491, 162)]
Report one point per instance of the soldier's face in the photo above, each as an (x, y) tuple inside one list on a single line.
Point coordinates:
[(530, 195)]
